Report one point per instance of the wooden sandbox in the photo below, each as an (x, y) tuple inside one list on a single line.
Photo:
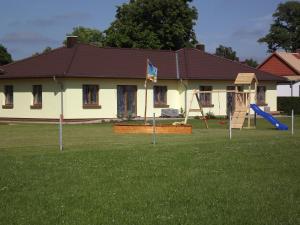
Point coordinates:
[(148, 129)]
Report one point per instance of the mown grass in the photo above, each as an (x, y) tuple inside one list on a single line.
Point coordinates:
[(105, 178)]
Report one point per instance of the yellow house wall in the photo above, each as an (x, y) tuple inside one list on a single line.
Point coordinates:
[(219, 99), (108, 97), (23, 99)]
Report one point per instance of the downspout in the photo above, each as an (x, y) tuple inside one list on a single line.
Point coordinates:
[(181, 81)]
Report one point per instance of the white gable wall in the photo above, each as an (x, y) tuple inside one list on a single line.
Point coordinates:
[(285, 90)]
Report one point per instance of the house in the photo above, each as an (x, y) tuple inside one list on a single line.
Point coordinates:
[(285, 65), (85, 82)]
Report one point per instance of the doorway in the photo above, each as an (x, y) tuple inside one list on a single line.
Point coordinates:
[(126, 97)]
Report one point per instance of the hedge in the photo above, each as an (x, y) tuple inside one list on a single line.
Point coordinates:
[(286, 104)]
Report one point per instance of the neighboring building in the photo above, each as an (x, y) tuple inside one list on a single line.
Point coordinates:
[(285, 65), (94, 83)]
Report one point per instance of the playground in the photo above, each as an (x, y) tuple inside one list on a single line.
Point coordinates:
[(242, 104), (107, 178)]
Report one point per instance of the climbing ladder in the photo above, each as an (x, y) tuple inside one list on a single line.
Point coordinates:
[(241, 109), (238, 118)]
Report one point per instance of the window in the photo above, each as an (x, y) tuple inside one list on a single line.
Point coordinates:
[(261, 95), (205, 98), (37, 97), (90, 96), (9, 97), (160, 96)]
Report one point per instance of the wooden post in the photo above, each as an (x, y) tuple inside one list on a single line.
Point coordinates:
[(61, 118), (145, 114), (188, 110), (154, 131), (230, 127), (248, 106), (60, 132), (255, 92), (292, 122), (235, 97), (201, 110)]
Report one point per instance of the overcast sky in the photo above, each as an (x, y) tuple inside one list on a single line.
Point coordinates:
[(28, 26)]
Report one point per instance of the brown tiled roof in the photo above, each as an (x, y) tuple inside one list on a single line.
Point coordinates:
[(205, 66), (90, 61)]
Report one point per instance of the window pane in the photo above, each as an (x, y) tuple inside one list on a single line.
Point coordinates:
[(37, 94), (160, 95), (261, 94), (90, 94), (205, 98), (8, 92)]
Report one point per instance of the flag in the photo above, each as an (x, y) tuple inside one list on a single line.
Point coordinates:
[(151, 72)]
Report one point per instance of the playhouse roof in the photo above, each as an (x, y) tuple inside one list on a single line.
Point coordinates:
[(84, 60), (245, 78)]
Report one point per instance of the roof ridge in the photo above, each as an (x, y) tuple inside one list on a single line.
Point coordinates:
[(186, 63), (132, 49), (72, 59), (33, 56)]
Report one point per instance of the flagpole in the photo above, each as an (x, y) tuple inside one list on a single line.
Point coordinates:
[(146, 88)]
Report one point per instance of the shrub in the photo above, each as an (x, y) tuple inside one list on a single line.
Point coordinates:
[(286, 104), (210, 115)]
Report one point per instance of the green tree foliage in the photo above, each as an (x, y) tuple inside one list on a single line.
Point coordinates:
[(5, 57), (88, 36), (47, 49), (251, 62), (285, 31), (226, 52), (153, 24)]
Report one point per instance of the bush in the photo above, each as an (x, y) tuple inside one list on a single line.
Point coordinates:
[(286, 104), (210, 115)]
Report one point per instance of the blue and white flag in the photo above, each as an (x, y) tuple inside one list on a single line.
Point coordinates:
[(151, 72)]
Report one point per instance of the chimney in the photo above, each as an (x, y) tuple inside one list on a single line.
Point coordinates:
[(200, 47), (71, 41)]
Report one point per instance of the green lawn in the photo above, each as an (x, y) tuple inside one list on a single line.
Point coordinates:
[(105, 178)]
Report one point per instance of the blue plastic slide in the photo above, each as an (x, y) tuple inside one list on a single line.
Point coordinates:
[(269, 117)]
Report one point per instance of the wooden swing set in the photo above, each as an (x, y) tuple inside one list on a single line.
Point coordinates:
[(242, 100)]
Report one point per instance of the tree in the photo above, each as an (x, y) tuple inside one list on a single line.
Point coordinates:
[(284, 33), (47, 49), (251, 62), (5, 57), (88, 36), (153, 24), (226, 52)]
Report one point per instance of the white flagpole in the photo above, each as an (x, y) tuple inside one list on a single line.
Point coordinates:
[(230, 127), (145, 114)]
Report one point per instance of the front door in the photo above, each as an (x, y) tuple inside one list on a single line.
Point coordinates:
[(126, 100)]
